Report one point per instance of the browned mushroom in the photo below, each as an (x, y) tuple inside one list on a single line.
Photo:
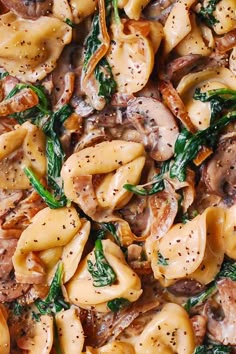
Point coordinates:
[(11, 290), (181, 66), (186, 287), (223, 330), (220, 172), (7, 249), (226, 42), (199, 323), (158, 10), (30, 9), (156, 124)]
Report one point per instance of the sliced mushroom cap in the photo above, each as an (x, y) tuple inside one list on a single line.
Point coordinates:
[(220, 173), (186, 287), (30, 9), (7, 249), (224, 330), (156, 124), (183, 65)]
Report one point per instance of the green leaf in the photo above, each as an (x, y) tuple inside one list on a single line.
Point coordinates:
[(3, 74), (220, 99), (200, 298), (103, 72), (228, 270), (206, 13), (17, 308), (118, 304), (212, 349), (193, 144), (102, 273), (158, 184), (69, 22), (49, 199), (54, 301), (162, 260), (110, 227)]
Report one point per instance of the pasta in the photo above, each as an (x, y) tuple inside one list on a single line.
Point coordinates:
[(117, 176)]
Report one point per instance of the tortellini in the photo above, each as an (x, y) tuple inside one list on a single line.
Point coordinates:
[(5, 335), (170, 331), (174, 31), (118, 162), (133, 8), (130, 46), (126, 286), (206, 80), (193, 250), (70, 330), (115, 347), (39, 337), (50, 229), (82, 9), (194, 42), (22, 147), (225, 15), (29, 49), (230, 232)]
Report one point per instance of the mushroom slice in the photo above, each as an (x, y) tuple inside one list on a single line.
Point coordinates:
[(170, 331), (199, 323), (70, 330), (220, 172), (156, 124), (7, 249), (224, 331), (29, 9), (127, 287), (5, 336), (39, 339)]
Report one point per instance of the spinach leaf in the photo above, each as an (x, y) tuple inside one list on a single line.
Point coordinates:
[(162, 260), (206, 13), (228, 270), (55, 154), (103, 72), (110, 227), (157, 185), (50, 123), (69, 22), (220, 99), (49, 199), (212, 349), (3, 74), (17, 308), (102, 273), (200, 298), (117, 304), (54, 301), (186, 150)]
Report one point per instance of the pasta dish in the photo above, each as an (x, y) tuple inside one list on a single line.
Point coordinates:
[(117, 176)]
